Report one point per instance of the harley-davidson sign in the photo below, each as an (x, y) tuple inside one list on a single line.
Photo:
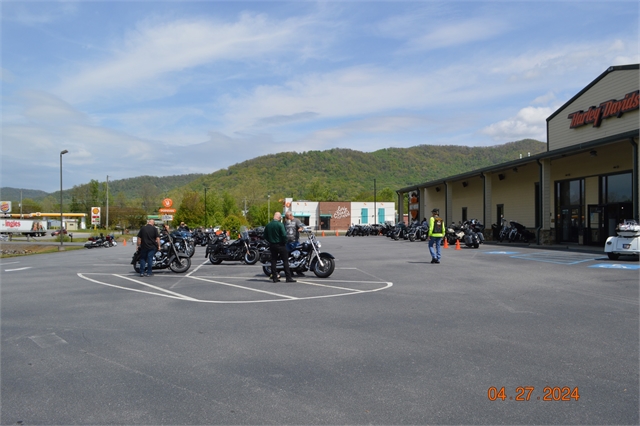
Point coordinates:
[(594, 115)]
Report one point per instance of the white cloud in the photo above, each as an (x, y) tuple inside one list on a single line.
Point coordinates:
[(530, 122), (146, 61)]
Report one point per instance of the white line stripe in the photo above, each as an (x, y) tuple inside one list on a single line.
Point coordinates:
[(17, 269), (243, 287), (182, 296), (331, 286), (8, 263), (132, 289)]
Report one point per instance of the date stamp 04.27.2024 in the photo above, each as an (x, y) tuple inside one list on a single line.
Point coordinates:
[(527, 393)]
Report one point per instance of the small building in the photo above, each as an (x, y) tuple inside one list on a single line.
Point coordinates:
[(576, 192), (340, 215)]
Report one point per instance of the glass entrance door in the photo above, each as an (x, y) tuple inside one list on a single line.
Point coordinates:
[(570, 224), (596, 233)]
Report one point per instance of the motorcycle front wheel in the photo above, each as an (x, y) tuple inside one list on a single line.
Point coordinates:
[(180, 264), (251, 258), (215, 260), (327, 267)]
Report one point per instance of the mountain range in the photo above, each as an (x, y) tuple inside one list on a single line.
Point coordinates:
[(336, 174)]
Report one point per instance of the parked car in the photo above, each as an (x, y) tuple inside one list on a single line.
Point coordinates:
[(57, 232)]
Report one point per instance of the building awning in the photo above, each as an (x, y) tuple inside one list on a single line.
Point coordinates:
[(326, 215)]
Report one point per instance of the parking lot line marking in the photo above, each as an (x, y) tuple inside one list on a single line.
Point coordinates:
[(182, 296), (614, 266), (332, 286), (17, 269), (243, 287), (81, 275)]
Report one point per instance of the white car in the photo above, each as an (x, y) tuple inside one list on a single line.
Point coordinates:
[(626, 242)]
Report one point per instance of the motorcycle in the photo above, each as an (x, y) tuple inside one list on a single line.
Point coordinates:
[(454, 234), (101, 241), (473, 233), (520, 233), (220, 248), (167, 257), (184, 242), (304, 257)]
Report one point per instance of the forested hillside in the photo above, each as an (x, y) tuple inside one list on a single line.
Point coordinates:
[(332, 175), (344, 174)]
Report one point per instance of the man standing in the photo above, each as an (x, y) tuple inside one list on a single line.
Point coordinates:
[(276, 235), (148, 244), (436, 232), (293, 227)]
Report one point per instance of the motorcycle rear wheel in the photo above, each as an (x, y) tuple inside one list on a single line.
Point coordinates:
[(215, 260), (180, 264)]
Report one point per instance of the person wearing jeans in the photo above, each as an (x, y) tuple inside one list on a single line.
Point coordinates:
[(148, 244), (436, 232)]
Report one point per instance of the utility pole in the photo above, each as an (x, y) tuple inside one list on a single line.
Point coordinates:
[(107, 224)]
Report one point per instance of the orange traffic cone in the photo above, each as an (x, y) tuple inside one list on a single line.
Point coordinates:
[(458, 245), (336, 232), (446, 244), (124, 242)]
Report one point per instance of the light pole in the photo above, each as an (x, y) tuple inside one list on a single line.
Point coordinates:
[(61, 210), (107, 225), (375, 211), (205, 206), (268, 207)]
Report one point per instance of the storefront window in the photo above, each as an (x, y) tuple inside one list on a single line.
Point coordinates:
[(570, 192), (619, 188)]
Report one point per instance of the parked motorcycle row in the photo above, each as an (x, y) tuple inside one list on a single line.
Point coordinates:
[(177, 248), (470, 232)]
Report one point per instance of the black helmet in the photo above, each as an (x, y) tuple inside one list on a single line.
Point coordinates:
[(435, 211)]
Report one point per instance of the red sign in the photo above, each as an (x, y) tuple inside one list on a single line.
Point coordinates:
[(169, 211), (594, 115), (167, 202)]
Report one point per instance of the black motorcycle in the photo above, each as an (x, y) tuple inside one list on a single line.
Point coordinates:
[(101, 241), (184, 242), (220, 248), (306, 256), (167, 257), (473, 233)]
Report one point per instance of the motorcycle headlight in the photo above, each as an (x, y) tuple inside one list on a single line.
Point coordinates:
[(319, 245)]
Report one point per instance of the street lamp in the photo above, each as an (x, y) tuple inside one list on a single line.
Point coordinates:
[(61, 214), (205, 206), (268, 207)]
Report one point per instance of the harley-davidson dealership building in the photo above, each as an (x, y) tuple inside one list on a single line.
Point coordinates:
[(575, 192)]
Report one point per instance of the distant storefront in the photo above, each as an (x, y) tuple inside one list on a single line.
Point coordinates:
[(340, 215), (577, 191)]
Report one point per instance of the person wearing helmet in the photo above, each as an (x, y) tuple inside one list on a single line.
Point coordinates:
[(436, 232)]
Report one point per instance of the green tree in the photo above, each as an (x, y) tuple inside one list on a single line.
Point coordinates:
[(232, 223), (191, 210), (229, 205), (30, 206), (318, 190)]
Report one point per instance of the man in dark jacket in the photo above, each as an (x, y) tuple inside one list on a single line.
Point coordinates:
[(148, 243), (276, 235)]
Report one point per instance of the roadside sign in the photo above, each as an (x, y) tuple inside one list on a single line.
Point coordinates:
[(95, 215), (5, 206), (167, 202), (167, 217), (167, 211)]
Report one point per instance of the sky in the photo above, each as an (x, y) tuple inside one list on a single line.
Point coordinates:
[(160, 88)]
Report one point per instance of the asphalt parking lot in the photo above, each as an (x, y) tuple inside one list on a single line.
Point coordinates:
[(495, 335)]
